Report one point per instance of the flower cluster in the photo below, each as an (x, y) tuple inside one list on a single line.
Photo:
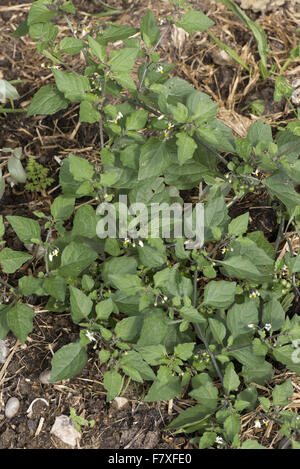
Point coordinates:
[(127, 241)]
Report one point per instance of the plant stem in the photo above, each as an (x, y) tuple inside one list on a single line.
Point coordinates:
[(279, 235), (200, 333), (148, 61)]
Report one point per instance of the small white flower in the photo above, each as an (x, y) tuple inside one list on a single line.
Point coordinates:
[(90, 336), (170, 125), (254, 294), (160, 69), (219, 440), (141, 243), (266, 422), (53, 254), (257, 424), (256, 172), (160, 117), (268, 326), (165, 298)]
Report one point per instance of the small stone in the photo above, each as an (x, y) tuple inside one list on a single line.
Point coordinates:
[(3, 351), (64, 430), (12, 407), (45, 377), (120, 402)]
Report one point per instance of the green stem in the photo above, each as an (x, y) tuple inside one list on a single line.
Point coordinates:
[(200, 333)]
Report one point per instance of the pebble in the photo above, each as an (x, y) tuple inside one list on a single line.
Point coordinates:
[(120, 402), (3, 351), (45, 377), (12, 407), (64, 430)]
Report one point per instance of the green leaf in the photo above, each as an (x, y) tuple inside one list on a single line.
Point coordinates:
[(184, 351), (81, 304), (104, 309), (47, 100), (192, 315), (71, 45), (282, 393), (207, 439), (122, 60), (68, 7), (149, 30), (231, 379), (273, 313), (219, 294), (136, 361), (239, 316), (238, 225), (85, 222), (259, 132), (289, 356), (88, 113), (16, 170), (62, 207), (154, 329), (165, 387), (74, 87), (29, 285), (186, 147), (43, 33), (99, 50), (207, 395), (131, 284), (153, 255), (56, 287), (243, 268), (137, 120), (75, 258), (194, 21), (201, 107), (120, 266), (179, 113), (232, 426), (8, 91), (217, 329), (152, 354), (112, 382), (80, 168), (25, 228), (117, 32), (252, 444), (255, 368), (19, 319), (280, 186), (129, 329), (154, 158), (132, 373), (67, 362), (39, 13), (12, 260)]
